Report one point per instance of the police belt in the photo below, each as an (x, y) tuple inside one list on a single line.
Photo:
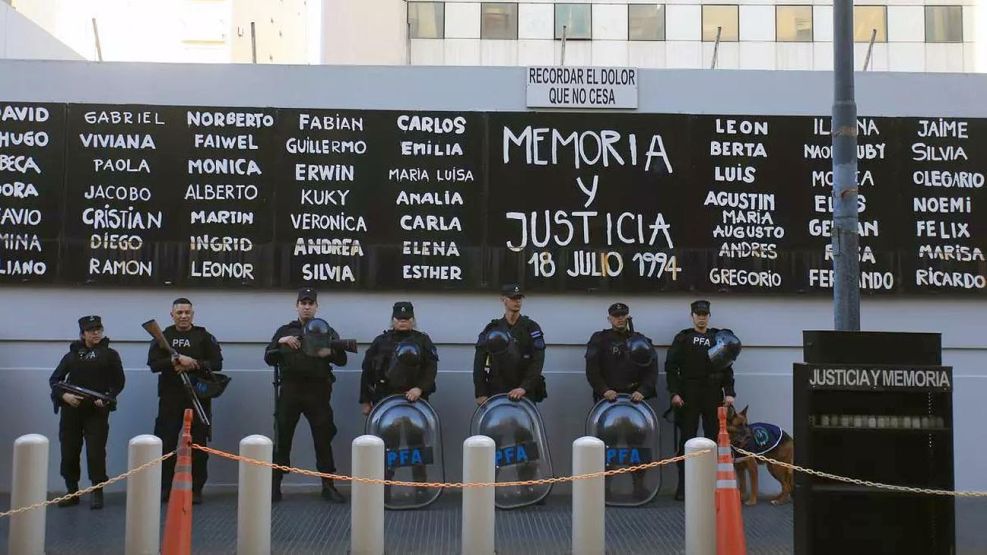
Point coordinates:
[(86, 394), (707, 377)]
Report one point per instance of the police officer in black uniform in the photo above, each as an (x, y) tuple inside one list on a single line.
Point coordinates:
[(305, 384), (695, 386), (400, 361), (198, 354), (619, 360), (514, 368), (92, 364), (510, 354)]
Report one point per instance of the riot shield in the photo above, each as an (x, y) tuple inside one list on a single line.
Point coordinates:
[(522, 448), (412, 449), (630, 432)]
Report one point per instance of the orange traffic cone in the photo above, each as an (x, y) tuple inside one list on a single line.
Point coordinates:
[(177, 538), (729, 522)]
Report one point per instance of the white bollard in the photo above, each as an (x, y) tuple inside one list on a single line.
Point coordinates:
[(29, 486), (143, 535), (253, 511), (478, 503), (367, 503), (588, 497), (700, 498)]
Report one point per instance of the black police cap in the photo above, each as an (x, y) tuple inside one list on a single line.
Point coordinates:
[(700, 307), (90, 322), (307, 293), (403, 310), (618, 309), (511, 290)]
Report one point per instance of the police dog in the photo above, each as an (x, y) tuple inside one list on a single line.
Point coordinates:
[(757, 438)]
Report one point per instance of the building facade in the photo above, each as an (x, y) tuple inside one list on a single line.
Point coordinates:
[(908, 35), (189, 31)]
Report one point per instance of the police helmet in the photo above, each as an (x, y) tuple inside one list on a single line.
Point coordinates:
[(725, 350), (497, 341), (640, 350), (317, 327), (211, 385), (408, 353), (316, 336)]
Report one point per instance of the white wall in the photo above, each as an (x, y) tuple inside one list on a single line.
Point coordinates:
[(197, 31), (366, 33), (21, 38)]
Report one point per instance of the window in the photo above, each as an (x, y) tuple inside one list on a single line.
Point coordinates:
[(943, 24), (793, 23), (576, 18), (498, 21), (426, 20), (868, 18), (645, 22), (727, 18)]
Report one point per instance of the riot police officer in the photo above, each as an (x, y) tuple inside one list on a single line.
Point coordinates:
[(93, 365), (695, 385), (401, 360), (620, 360), (510, 354), (304, 387), (199, 354)]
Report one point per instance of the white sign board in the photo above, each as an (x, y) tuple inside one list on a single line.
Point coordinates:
[(582, 87)]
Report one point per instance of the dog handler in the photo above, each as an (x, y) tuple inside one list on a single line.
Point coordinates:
[(695, 386)]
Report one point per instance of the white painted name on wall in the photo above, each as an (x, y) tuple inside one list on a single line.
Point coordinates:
[(582, 87)]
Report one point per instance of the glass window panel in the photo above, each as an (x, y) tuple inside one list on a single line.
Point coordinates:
[(426, 20), (645, 22), (577, 18), (727, 17), (944, 24), (868, 18), (793, 23), (498, 20)]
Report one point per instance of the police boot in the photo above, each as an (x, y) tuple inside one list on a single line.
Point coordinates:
[(71, 487), (276, 487), (680, 489), (330, 493), (96, 500)]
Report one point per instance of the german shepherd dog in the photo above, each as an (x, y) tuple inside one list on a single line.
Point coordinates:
[(754, 438)]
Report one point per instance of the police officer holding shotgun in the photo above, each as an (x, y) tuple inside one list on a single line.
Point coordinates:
[(198, 355), (84, 388)]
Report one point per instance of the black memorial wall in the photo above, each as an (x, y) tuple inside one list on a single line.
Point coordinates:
[(349, 199)]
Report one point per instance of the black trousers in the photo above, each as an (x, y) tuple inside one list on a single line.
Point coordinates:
[(168, 427), (310, 398), (702, 399), (88, 424)]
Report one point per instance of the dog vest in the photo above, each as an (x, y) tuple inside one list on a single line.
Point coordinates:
[(764, 437)]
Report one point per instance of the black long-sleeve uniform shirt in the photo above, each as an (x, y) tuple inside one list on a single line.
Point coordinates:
[(374, 384), (196, 343), (609, 365), (294, 364), (688, 361), (501, 378), (98, 369)]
